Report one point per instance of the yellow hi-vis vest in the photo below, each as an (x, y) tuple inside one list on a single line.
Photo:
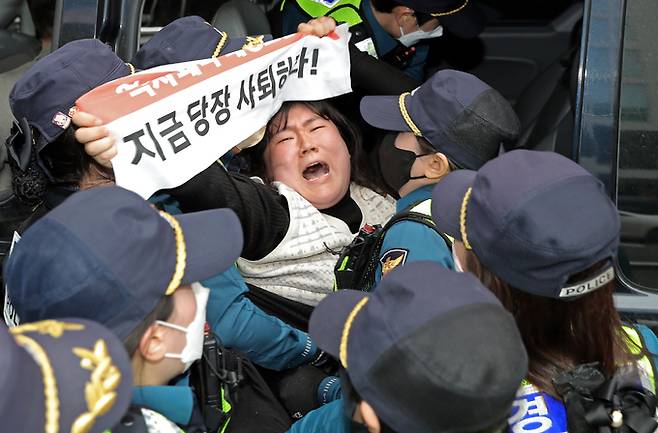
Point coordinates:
[(644, 364), (343, 11)]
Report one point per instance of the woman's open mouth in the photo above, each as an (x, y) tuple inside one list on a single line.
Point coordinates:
[(316, 171)]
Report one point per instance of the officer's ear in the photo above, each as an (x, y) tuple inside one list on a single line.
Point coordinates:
[(404, 16), (152, 344), (368, 417), (436, 166)]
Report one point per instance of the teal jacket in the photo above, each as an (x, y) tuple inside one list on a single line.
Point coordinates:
[(329, 418)]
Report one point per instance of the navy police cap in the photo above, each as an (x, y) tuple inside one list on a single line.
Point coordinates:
[(425, 335), (106, 254), (534, 219), (65, 375), (456, 112), (43, 96), (186, 39)]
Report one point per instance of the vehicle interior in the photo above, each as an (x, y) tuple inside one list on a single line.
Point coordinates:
[(535, 55)]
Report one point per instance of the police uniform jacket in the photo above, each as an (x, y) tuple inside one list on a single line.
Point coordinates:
[(410, 241), (383, 43), (329, 418)]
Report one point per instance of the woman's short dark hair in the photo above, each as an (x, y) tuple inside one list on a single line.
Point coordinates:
[(162, 311), (559, 335), (360, 168)]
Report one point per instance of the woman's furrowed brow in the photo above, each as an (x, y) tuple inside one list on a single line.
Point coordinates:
[(304, 124)]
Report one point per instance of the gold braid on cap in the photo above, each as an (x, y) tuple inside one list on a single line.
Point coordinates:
[(346, 331), (100, 390), (220, 44), (407, 117), (181, 253), (49, 382), (454, 11), (462, 218), (53, 328)]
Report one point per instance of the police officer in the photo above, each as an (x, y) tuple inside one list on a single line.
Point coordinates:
[(64, 375), (106, 254), (542, 233), (431, 350), (396, 32), (48, 163), (451, 121)]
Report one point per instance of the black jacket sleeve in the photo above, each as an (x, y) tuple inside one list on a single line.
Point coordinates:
[(376, 77), (262, 211)]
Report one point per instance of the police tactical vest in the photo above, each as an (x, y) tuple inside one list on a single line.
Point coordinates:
[(350, 12), (357, 262)]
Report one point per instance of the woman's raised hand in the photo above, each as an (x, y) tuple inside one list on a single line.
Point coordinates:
[(318, 26), (95, 138)]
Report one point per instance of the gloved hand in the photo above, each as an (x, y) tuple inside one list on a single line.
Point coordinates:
[(298, 389)]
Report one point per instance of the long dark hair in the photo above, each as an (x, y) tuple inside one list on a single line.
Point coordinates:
[(559, 335), (360, 170)]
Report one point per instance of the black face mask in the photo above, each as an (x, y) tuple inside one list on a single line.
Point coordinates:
[(396, 163)]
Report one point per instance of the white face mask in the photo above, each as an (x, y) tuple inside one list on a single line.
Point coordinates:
[(458, 265), (410, 39), (194, 331)]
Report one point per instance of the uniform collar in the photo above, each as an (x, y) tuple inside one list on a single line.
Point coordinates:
[(383, 41), (415, 196)]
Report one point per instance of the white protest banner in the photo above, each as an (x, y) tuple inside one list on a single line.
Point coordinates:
[(174, 121)]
